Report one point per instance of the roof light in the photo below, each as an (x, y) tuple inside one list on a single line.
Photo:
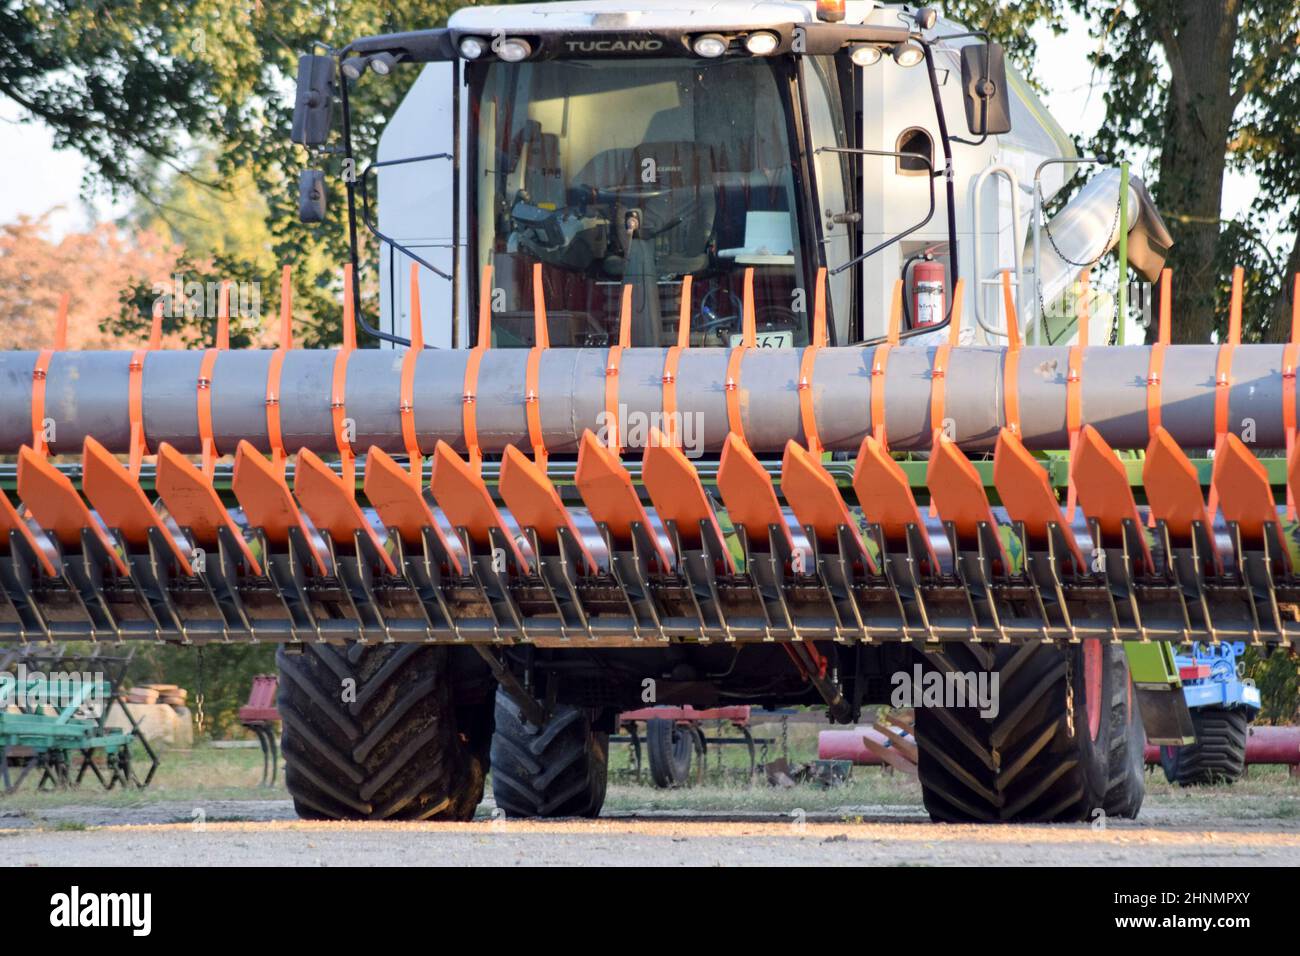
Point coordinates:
[(927, 17), (761, 44), (353, 67), (908, 53), (864, 54), (513, 50), (831, 11), (710, 45), (382, 63), (471, 48)]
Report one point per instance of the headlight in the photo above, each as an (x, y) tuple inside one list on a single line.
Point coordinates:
[(864, 54), (471, 48), (908, 53), (761, 44), (710, 45), (513, 51)]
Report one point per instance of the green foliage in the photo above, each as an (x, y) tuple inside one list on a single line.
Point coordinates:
[(1278, 679), (227, 674)]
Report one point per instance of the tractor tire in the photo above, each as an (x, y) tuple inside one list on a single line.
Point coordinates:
[(1219, 754), (370, 733), (1031, 762), (669, 747), (1128, 742), (557, 770)]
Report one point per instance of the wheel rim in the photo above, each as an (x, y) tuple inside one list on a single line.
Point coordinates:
[(1092, 664)]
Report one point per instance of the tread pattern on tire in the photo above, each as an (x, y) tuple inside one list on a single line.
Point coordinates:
[(557, 770), (669, 750), (1022, 764), (390, 750), (1219, 754), (1126, 786)]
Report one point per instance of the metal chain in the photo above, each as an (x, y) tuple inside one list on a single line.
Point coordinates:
[(200, 718), (1069, 693), (1042, 306), (1084, 265)]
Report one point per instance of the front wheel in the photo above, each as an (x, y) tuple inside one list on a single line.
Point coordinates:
[(1219, 754), (1043, 757), (370, 733), (556, 770)]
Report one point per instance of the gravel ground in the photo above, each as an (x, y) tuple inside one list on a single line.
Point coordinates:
[(257, 833)]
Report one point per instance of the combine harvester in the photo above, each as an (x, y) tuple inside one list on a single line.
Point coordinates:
[(721, 377)]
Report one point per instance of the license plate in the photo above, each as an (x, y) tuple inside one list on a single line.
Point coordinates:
[(766, 340)]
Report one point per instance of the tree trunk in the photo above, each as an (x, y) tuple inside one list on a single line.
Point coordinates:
[(1198, 40), (1279, 319)]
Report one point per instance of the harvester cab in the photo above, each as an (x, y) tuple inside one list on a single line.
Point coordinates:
[(678, 152), (724, 367)]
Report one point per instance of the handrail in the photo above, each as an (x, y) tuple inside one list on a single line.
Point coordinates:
[(994, 169)]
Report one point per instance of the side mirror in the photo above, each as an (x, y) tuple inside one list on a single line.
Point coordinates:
[(311, 196), (984, 86), (313, 109)]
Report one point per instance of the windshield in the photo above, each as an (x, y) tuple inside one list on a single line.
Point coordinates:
[(613, 172)]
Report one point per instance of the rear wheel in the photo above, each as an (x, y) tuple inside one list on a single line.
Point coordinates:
[(370, 733), (1128, 742), (1219, 754), (556, 770), (1043, 757), (669, 747)]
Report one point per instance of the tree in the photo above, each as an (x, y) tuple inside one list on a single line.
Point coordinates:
[(1220, 95), (142, 87), (93, 267)]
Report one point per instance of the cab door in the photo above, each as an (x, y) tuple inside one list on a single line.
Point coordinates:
[(832, 183)]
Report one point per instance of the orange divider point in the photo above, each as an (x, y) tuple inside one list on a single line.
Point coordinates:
[(398, 500), (406, 400), (1244, 491), (885, 495), (747, 492), (466, 501), (671, 359), (12, 522), (532, 371), (610, 496), (1172, 486), (1223, 374), (675, 490), (54, 503), (1293, 474), (259, 487), (135, 393), (534, 503), (329, 502), (611, 369), (122, 503), (39, 371), (958, 493), (894, 334), (815, 498), (1027, 493), (1104, 491), (194, 504), (1290, 358), (339, 385), (807, 363)]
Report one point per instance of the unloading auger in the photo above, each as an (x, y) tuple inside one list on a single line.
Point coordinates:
[(571, 536)]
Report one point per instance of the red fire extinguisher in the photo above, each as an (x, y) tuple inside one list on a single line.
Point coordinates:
[(928, 305)]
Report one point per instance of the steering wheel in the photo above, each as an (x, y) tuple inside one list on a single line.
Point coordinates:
[(709, 313)]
